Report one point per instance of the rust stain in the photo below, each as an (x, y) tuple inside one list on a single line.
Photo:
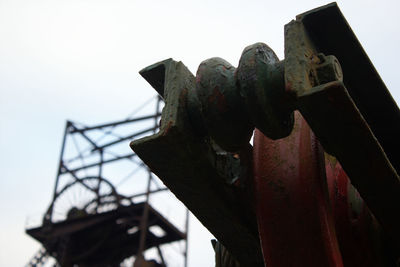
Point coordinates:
[(219, 99), (183, 95), (167, 128), (290, 91)]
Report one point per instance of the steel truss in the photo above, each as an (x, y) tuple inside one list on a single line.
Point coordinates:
[(86, 185)]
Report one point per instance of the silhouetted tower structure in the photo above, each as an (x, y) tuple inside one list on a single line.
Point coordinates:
[(96, 219)]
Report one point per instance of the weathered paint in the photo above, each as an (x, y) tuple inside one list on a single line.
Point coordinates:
[(261, 82), (193, 169), (216, 90), (294, 217), (343, 112), (295, 220), (359, 235)]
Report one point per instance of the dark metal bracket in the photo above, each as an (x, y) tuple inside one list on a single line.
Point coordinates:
[(194, 169), (354, 116)]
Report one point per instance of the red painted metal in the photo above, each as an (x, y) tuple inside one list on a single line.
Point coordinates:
[(308, 212), (358, 233), (292, 202)]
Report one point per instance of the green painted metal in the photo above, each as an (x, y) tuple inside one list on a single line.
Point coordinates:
[(200, 174), (353, 115), (330, 34), (261, 82), (326, 75), (216, 89)]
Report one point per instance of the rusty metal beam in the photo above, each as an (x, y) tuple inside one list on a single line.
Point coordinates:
[(188, 166), (356, 119)]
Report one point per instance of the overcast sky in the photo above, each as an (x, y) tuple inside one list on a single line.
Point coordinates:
[(79, 60)]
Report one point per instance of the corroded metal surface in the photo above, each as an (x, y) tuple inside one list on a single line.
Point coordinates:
[(328, 78), (307, 209), (360, 237), (219, 97), (198, 173), (261, 83), (347, 127), (330, 33), (295, 223), (343, 131)]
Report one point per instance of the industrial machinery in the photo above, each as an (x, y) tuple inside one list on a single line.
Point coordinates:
[(320, 186), (103, 211)]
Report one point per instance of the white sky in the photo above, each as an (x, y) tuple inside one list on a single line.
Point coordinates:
[(79, 60)]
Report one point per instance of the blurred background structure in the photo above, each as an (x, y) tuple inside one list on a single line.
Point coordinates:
[(79, 59), (105, 202)]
